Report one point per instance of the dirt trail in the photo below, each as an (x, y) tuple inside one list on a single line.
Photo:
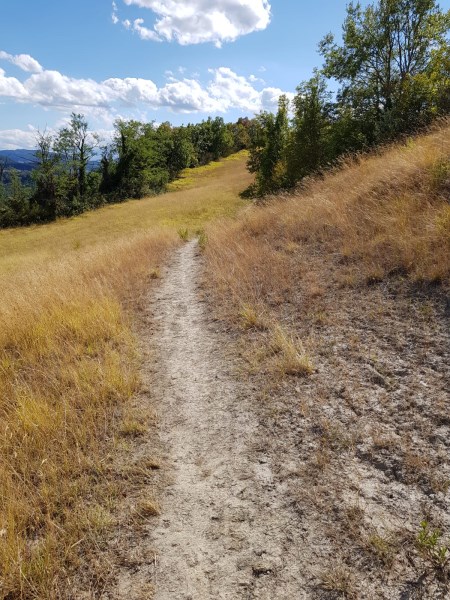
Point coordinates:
[(226, 531)]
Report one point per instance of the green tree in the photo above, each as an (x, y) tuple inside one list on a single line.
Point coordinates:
[(241, 133), (222, 139), (142, 159), (268, 146), (383, 62), (309, 144), (183, 153), (15, 208), (75, 144), (45, 176)]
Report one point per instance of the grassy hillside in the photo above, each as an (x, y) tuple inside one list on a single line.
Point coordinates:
[(208, 192), (69, 363), (340, 293)]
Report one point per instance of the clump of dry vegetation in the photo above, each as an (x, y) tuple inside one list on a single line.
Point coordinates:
[(377, 215), (353, 268)]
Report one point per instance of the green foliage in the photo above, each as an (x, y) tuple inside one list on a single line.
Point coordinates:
[(429, 543), (387, 61), (149, 157), (141, 161), (393, 66), (15, 203), (184, 234), (268, 143), (309, 142), (202, 238), (45, 176)]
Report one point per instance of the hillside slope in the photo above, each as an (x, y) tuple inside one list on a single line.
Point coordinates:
[(207, 192), (338, 297)]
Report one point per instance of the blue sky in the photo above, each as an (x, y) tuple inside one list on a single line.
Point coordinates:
[(176, 60)]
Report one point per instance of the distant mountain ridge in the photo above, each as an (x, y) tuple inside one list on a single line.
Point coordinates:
[(25, 160), (21, 159)]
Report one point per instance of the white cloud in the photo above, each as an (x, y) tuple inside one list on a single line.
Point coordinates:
[(132, 90), (255, 79), (269, 98), (115, 19), (23, 61), (198, 21), (226, 90), (233, 90), (10, 139), (144, 32), (188, 96), (10, 87)]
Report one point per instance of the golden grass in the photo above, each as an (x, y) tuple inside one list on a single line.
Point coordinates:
[(68, 364), (68, 361), (148, 508), (190, 178), (375, 216), (291, 356)]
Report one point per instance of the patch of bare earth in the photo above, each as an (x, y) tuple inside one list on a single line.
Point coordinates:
[(360, 448)]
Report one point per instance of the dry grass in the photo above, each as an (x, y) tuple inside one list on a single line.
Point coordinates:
[(375, 216), (68, 365), (68, 362), (291, 357), (210, 192), (148, 508)]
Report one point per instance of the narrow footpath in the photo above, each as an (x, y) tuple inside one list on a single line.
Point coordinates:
[(226, 529)]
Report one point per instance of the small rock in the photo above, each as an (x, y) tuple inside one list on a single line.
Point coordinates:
[(262, 567)]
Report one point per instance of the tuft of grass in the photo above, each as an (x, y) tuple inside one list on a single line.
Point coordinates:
[(202, 238), (132, 428), (429, 542), (184, 234), (252, 318), (291, 357), (339, 578), (384, 547), (148, 508)]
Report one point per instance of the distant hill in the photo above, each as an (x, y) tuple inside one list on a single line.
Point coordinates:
[(23, 160)]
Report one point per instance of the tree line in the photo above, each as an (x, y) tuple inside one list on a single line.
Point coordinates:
[(141, 160), (393, 72)]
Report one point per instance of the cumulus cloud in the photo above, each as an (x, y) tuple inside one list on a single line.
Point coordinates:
[(23, 61), (10, 139), (225, 90), (199, 21), (143, 32), (233, 90)]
